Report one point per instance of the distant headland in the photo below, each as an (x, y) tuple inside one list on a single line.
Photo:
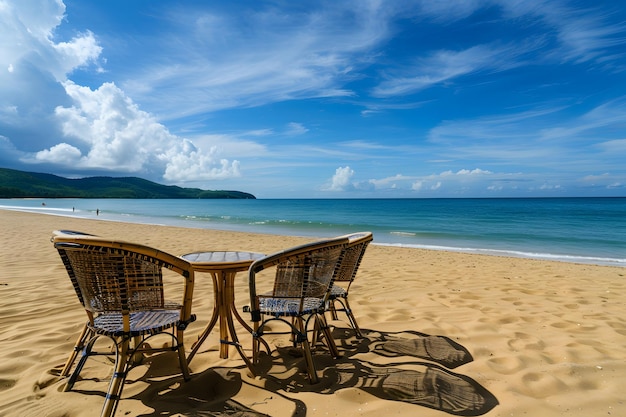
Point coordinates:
[(21, 184)]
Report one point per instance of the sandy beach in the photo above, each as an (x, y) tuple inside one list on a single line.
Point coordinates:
[(514, 337)]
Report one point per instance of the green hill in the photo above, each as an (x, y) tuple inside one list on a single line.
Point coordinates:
[(21, 184)]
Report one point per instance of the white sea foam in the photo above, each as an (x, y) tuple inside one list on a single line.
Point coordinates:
[(517, 254)]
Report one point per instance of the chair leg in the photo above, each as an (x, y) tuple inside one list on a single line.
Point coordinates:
[(308, 356), (86, 353), (352, 319), (181, 355), (78, 346), (255, 344), (138, 356), (330, 342), (333, 310), (117, 381), (315, 334)]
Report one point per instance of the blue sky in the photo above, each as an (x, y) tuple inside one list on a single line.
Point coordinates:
[(320, 99)]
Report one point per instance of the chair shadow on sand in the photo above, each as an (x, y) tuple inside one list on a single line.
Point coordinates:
[(426, 382)]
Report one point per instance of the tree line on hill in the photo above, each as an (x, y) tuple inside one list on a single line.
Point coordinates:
[(21, 184)]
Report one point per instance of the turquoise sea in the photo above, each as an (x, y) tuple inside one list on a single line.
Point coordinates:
[(589, 230)]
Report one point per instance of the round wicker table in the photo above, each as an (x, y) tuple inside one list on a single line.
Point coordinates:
[(223, 267)]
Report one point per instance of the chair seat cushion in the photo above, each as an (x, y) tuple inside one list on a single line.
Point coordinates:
[(337, 291), (290, 306), (141, 322)]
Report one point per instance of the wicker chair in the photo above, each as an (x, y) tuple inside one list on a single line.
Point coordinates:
[(120, 285), (302, 280), (352, 256)]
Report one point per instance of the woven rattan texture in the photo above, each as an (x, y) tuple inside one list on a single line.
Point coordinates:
[(114, 280)]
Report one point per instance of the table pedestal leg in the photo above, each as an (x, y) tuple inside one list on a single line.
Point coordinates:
[(229, 310), (225, 291), (224, 309), (205, 333)]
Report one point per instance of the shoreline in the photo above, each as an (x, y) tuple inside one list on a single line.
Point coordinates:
[(544, 338), (590, 260)]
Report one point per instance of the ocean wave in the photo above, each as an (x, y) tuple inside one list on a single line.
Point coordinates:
[(43, 209), (517, 254)]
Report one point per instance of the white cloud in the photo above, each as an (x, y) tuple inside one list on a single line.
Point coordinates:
[(28, 40), (547, 186), (38, 18), (470, 179), (109, 132), (192, 165), (390, 181), (476, 171), (62, 154), (80, 51), (463, 182), (294, 129), (34, 61), (341, 179)]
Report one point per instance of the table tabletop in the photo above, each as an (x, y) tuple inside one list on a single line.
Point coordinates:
[(222, 260)]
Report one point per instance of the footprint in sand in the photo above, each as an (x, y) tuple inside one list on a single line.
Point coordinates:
[(6, 384), (523, 341), (506, 365), (541, 385)]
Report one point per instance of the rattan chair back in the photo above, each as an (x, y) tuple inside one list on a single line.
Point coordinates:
[(352, 256), (121, 288), (302, 281), (115, 281), (347, 271), (301, 272)]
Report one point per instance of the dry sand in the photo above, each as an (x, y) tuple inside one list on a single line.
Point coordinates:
[(532, 338)]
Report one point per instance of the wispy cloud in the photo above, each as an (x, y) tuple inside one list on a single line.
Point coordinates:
[(278, 56), (295, 129), (444, 66), (581, 34), (550, 136)]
